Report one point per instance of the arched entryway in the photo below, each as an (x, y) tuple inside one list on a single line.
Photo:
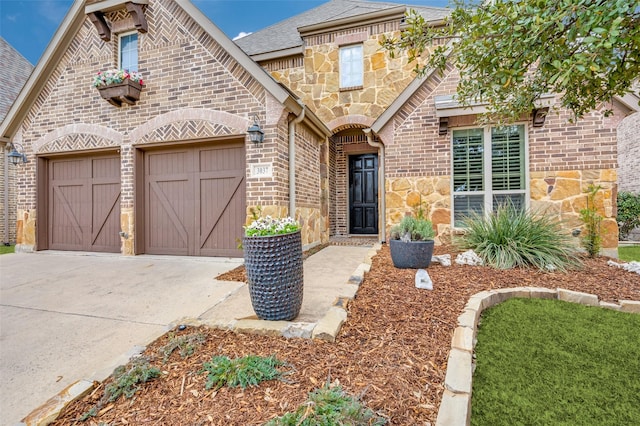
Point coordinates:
[(354, 184)]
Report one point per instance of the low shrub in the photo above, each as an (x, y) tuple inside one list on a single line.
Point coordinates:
[(187, 345), (628, 212), (247, 371), (330, 405), (592, 237), (514, 237)]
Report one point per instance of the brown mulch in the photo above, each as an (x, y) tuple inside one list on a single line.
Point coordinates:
[(392, 350)]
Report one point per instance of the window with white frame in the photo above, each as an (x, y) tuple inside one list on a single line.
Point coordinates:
[(351, 66), (128, 51), (489, 169)]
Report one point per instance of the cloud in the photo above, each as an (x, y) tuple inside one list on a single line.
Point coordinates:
[(242, 34), (12, 18)]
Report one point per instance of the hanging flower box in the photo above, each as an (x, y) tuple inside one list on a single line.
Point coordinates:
[(119, 86)]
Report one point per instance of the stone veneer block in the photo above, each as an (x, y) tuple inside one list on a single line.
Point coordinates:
[(577, 297), (631, 306), (349, 291), (262, 327), (520, 292), (468, 318), (299, 329), (51, 409), (458, 378), (608, 305), (329, 326), (463, 339), (455, 409), (543, 293)]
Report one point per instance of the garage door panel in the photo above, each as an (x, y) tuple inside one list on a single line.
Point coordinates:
[(84, 203), (167, 208), (222, 198), (66, 211), (205, 216)]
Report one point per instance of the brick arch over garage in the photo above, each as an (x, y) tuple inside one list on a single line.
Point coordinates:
[(188, 124), (78, 137)]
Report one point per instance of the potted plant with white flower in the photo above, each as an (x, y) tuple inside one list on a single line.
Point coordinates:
[(119, 86), (273, 261)]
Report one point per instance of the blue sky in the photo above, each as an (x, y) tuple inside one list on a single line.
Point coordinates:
[(28, 25)]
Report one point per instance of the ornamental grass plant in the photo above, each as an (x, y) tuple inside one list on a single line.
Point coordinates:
[(513, 237)]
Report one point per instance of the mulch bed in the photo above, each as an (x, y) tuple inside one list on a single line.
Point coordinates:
[(392, 351)]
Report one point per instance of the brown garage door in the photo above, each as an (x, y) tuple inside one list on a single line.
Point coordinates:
[(195, 200), (84, 203)]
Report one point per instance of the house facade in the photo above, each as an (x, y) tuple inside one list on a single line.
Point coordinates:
[(15, 71), (352, 140)]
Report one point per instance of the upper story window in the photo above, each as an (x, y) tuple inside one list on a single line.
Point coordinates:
[(489, 168), (351, 66), (128, 51)]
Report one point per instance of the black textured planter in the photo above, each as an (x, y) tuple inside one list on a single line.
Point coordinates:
[(412, 254), (275, 275)]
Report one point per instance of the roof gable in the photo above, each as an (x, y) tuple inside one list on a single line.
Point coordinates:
[(76, 18)]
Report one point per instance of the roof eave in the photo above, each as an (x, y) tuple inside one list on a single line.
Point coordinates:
[(47, 63), (276, 54), (377, 16)]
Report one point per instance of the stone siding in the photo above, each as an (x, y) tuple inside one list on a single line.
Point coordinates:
[(194, 91), (316, 78)]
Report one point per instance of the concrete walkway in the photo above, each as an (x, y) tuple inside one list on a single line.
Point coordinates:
[(71, 316)]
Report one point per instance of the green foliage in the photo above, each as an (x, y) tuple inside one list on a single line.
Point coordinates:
[(247, 371), (629, 253), (511, 52), (514, 237), (628, 212), (125, 382), (186, 343), (7, 249), (548, 362), (592, 239), (413, 229), (127, 378), (329, 406)]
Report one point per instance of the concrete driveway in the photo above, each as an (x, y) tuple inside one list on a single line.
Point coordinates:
[(70, 316)]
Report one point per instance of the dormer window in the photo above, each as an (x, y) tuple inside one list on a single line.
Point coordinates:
[(351, 66), (128, 51)]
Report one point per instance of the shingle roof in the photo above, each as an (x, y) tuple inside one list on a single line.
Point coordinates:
[(284, 34), (15, 72)]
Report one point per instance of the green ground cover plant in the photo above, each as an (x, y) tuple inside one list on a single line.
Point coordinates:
[(247, 371), (7, 249), (513, 237), (629, 253), (548, 362), (186, 344), (329, 406), (628, 212)]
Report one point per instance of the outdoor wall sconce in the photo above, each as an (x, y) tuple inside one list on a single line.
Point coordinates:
[(16, 154), (256, 134), (539, 116)]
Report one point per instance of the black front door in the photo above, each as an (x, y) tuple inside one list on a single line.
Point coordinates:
[(363, 194)]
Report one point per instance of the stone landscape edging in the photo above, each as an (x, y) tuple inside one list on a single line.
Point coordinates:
[(455, 406), (326, 328)]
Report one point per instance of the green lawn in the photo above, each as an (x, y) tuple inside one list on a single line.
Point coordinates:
[(547, 362), (6, 249), (629, 253)]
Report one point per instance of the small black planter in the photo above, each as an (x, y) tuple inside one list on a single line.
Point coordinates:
[(411, 254), (275, 275)]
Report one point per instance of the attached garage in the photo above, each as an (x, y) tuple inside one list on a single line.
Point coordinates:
[(81, 208), (192, 199)]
